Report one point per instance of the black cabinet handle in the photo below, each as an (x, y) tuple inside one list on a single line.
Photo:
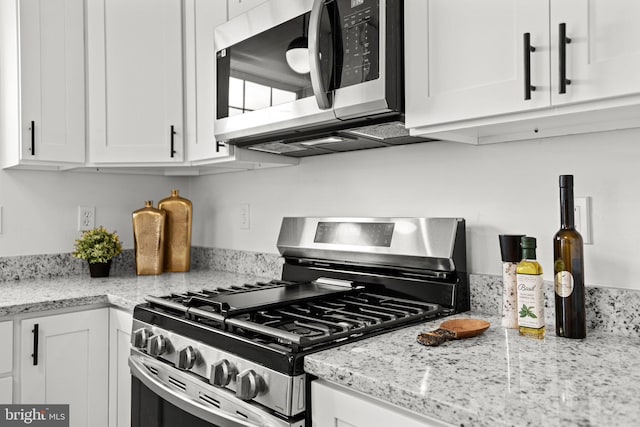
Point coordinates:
[(173, 133), (563, 41), (35, 344), (219, 145), (528, 88), (33, 138)]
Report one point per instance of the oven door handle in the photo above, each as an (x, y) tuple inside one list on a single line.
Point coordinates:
[(187, 403)]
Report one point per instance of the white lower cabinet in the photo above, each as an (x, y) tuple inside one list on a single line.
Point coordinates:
[(64, 360), (119, 375), (333, 405), (6, 390), (6, 362)]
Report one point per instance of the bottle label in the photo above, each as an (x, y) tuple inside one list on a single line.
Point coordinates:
[(530, 300), (564, 284)]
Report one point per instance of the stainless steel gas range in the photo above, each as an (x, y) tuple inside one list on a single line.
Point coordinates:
[(234, 356)]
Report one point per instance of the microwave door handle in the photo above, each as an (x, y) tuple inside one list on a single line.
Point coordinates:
[(315, 70)]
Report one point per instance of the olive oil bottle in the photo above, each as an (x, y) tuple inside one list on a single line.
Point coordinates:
[(530, 291), (568, 269)]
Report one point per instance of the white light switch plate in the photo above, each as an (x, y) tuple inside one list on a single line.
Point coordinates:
[(245, 216), (582, 210)]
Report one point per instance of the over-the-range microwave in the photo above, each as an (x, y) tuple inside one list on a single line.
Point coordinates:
[(308, 77)]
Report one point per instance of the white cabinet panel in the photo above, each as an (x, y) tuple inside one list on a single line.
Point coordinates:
[(72, 364), (466, 68), (43, 107), (6, 362), (135, 81), (333, 405), (468, 60), (201, 18), (119, 375), (6, 390), (6, 355), (603, 57)]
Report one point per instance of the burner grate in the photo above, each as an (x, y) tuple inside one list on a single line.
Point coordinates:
[(298, 324), (307, 324)]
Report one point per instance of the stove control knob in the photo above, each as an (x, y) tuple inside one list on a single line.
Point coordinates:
[(248, 384), (187, 357), (140, 337), (157, 345), (221, 373)]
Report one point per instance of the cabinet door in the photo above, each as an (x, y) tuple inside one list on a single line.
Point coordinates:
[(6, 362), (71, 365), (6, 355), (6, 390), (603, 57), (135, 81), (237, 7), (336, 406), (201, 18), (119, 375), (52, 80), (465, 59)]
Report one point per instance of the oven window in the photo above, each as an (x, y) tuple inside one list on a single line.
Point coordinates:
[(149, 410)]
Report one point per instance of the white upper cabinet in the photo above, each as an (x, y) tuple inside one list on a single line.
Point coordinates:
[(603, 54), (201, 18), (493, 71), (238, 7), (465, 58), (135, 81), (42, 84)]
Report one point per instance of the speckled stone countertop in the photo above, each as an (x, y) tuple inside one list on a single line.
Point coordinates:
[(496, 379), (123, 291)]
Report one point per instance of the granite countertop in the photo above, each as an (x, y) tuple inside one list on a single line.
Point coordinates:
[(122, 291), (498, 378)]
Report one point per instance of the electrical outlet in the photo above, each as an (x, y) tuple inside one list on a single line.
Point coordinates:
[(582, 214), (86, 218), (245, 216)]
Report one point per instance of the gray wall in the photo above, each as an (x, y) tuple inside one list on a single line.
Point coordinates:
[(499, 188), (40, 208)]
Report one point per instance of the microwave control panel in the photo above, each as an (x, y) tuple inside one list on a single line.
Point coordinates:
[(359, 20)]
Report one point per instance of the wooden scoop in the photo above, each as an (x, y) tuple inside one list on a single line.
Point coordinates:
[(453, 330)]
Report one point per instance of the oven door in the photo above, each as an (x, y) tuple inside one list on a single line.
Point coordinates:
[(163, 396)]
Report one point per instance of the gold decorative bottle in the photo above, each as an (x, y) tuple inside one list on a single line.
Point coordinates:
[(149, 239), (177, 249)]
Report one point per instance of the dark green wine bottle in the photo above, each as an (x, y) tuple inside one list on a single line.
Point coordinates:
[(568, 269)]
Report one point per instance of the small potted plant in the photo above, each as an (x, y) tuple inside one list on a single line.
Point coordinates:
[(98, 247)]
